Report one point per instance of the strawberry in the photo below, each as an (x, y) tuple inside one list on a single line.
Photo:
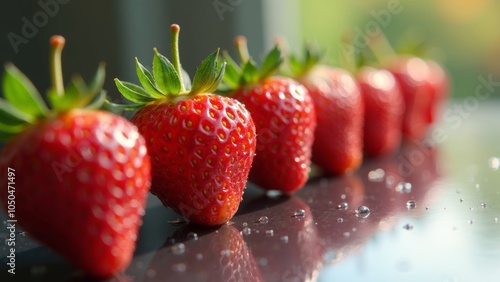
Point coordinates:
[(284, 116), (412, 75), (338, 141), (438, 86), (384, 107), (75, 178), (201, 145), (423, 84)]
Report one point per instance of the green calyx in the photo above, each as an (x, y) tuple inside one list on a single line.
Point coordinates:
[(297, 66), (168, 80), (23, 105), (248, 72)]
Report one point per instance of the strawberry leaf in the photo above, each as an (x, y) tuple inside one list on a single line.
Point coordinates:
[(133, 93), (8, 131), (97, 82), (10, 115), (72, 95), (115, 107), (232, 73), (208, 75), (21, 93), (147, 80), (250, 74), (97, 101), (271, 63), (166, 77)]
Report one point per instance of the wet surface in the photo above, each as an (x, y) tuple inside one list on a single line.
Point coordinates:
[(425, 214)]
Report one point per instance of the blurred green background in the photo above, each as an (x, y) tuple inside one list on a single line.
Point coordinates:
[(463, 34)]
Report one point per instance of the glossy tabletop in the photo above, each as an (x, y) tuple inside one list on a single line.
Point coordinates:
[(429, 213)]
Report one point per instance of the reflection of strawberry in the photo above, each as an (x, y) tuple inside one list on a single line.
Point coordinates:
[(202, 145), (288, 247), (78, 177), (285, 120), (384, 108), (217, 255)]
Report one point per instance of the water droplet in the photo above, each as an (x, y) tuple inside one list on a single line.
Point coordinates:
[(340, 220), (192, 235), (270, 232), (199, 256), (471, 208), (411, 204), (177, 221), (461, 200), (178, 249), (171, 241), (179, 267), (343, 206), (477, 186), (300, 213), (263, 219), (343, 196), (459, 191), (470, 221), (484, 205), (354, 229), (496, 219), (346, 234), (274, 193), (284, 239), (362, 212), (246, 230), (376, 175), (494, 163), (245, 224), (225, 253), (230, 222), (262, 262), (403, 187), (389, 181), (408, 226)]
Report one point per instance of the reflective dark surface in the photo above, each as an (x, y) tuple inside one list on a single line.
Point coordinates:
[(433, 216)]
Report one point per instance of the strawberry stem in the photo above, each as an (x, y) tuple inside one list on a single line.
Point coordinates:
[(242, 48), (56, 46), (175, 29)]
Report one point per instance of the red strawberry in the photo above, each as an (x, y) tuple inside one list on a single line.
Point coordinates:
[(384, 107), (412, 74), (201, 145), (77, 178), (284, 116), (438, 86), (338, 146)]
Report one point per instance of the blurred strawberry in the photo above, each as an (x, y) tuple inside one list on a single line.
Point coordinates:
[(384, 108), (338, 140), (438, 87), (202, 145), (284, 116)]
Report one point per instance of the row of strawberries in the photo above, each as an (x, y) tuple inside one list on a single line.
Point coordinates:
[(82, 175)]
